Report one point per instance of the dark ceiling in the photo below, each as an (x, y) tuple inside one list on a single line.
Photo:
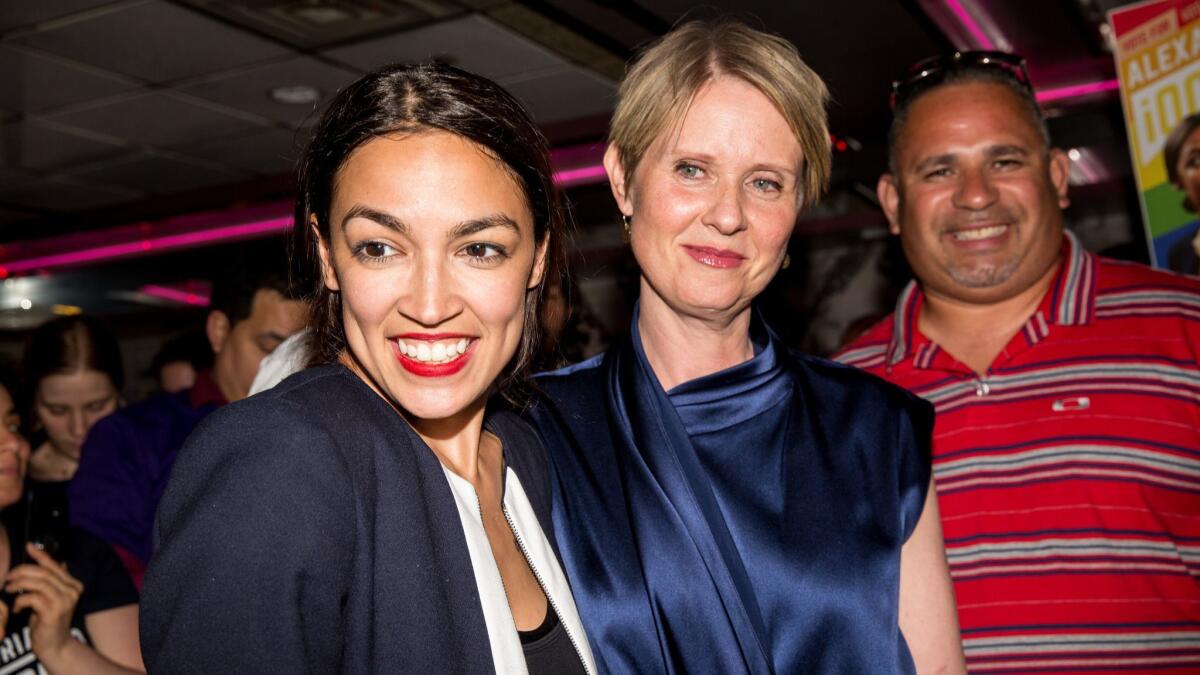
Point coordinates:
[(126, 115)]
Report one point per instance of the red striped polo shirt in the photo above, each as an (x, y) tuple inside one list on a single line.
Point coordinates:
[(1068, 476)]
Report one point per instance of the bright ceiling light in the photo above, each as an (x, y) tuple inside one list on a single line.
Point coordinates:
[(295, 94)]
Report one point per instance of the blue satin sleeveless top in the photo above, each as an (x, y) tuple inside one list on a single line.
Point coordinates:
[(749, 521)]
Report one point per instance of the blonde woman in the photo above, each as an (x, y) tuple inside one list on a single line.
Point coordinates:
[(723, 505)]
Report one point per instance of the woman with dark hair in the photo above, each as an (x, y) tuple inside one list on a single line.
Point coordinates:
[(70, 611), (382, 511), (73, 367)]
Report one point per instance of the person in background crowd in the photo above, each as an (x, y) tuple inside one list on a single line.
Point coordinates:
[(73, 612), (570, 330), (1067, 389), (75, 375), (176, 365), (127, 457), (382, 511), (1180, 248), (724, 505), (291, 356)]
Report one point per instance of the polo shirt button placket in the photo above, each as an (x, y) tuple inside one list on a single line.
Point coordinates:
[(981, 388)]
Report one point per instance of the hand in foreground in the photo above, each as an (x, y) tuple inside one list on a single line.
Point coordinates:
[(51, 593)]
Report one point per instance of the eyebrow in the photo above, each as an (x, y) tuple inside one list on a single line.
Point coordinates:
[(463, 229), (774, 168), (781, 168), (475, 225), (936, 160), (1005, 150), (387, 220)]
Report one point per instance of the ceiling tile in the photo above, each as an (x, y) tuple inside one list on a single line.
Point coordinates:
[(62, 195), (32, 145), (157, 175), (33, 83), (249, 90), (155, 41), (567, 95), (155, 119), (13, 176), (265, 152), (21, 14), (472, 43), (314, 24)]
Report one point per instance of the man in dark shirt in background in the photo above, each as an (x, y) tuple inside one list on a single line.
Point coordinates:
[(127, 457)]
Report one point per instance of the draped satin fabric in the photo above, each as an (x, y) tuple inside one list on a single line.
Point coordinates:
[(749, 521)]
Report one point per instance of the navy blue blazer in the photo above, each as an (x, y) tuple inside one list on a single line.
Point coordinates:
[(309, 529)]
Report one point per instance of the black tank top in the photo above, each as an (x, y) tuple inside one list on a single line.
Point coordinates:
[(548, 649)]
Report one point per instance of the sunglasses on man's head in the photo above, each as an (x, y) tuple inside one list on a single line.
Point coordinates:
[(927, 71)]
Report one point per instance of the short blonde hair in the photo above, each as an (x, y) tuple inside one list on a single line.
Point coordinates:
[(661, 82)]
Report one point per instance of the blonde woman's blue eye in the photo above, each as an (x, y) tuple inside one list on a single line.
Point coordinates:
[(766, 184), (689, 170)]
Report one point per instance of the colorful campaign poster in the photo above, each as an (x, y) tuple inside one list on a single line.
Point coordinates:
[(1158, 62)]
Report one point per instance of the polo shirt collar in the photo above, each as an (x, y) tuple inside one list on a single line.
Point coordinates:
[(1071, 301), (206, 391)]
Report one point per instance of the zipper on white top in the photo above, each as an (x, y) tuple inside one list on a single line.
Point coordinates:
[(545, 589)]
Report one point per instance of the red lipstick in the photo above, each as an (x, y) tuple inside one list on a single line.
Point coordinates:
[(715, 257), (426, 369)]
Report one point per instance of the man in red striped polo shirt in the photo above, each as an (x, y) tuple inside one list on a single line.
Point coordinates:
[(1067, 387)]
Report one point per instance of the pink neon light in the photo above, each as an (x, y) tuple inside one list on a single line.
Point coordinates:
[(577, 155), (175, 295), (201, 229), (968, 22), (581, 175), (1059, 93), (160, 244)]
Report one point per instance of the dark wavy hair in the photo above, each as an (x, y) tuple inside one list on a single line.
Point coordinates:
[(410, 98)]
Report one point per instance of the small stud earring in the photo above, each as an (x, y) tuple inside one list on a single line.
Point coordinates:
[(787, 260), (625, 220)]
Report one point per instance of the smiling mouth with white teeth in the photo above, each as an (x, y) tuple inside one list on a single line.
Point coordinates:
[(441, 351), (979, 233)]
